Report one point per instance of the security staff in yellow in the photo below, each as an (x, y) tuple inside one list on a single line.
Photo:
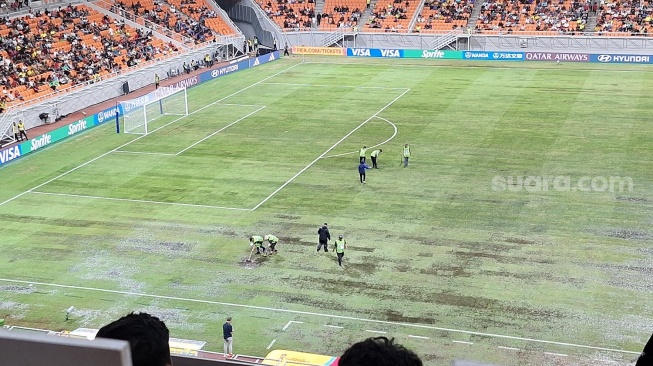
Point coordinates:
[(406, 154), (361, 154), (272, 241), (339, 246), (256, 240)]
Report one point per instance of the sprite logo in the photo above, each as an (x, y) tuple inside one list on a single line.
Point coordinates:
[(432, 54)]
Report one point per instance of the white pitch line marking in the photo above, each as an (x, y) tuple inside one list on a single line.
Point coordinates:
[(290, 322), (220, 130), (240, 105), (556, 354), (333, 326), (508, 348), (371, 147), (141, 152), (339, 86), (463, 342), (271, 343), (140, 201), (333, 316), (376, 331), (418, 337), (329, 149), (140, 137)]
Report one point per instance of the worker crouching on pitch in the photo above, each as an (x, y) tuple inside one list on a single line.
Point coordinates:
[(339, 246), (258, 242), (272, 242)]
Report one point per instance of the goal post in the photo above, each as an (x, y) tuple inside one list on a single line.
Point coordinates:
[(137, 114)]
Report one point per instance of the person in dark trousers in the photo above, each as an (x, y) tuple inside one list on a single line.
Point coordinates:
[(285, 50), (16, 132), (258, 242), (156, 81), (274, 45), (272, 242), (148, 338), (227, 334), (323, 238), (21, 130), (361, 154), (374, 155), (361, 171), (339, 246), (406, 155), (379, 351)]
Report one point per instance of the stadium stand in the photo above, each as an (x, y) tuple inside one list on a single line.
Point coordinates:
[(44, 52), (624, 18), (343, 14), (443, 15), (539, 17), (203, 14), (392, 15), (290, 15)]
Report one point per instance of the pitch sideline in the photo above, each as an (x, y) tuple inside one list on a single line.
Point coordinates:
[(323, 315)]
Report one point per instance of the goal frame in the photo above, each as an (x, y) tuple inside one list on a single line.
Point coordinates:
[(139, 106)]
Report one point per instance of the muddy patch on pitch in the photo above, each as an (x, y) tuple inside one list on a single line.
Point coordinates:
[(288, 217), (395, 316), (447, 270), (632, 199), (18, 289), (629, 234)]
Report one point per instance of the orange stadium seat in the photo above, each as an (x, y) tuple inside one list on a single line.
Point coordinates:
[(53, 57)]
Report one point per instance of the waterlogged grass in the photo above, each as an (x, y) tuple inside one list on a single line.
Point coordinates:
[(435, 248)]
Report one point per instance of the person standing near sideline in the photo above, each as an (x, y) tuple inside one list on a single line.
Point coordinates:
[(374, 155), (323, 238), (16, 133), (272, 240), (156, 81), (339, 246), (361, 154), (406, 155), (227, 334), (285, 50), (21, 130), (361, 171)]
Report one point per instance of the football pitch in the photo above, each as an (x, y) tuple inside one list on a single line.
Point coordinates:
[(519, 233)]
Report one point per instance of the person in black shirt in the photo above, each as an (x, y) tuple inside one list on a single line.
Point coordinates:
[(227, 331), (324, 238)]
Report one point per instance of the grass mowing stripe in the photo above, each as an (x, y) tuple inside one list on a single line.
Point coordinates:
[(140, 201), (412, 325), (140, 137)]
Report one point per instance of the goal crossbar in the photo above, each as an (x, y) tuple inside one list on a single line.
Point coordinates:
[(136, 114)]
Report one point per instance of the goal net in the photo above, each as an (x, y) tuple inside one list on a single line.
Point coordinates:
[(138, 113)]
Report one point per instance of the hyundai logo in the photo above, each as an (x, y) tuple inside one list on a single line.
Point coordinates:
[(604, 58), (215, 73), (468, 54), (495, 55)]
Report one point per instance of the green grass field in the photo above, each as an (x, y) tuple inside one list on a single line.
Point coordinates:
[(439, 257)]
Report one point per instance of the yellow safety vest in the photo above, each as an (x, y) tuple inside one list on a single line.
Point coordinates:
[(406, 152), (340, 245), (362, 152)]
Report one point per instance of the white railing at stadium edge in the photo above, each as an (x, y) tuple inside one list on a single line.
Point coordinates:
[(6, 121), (189, 42), (332, 38), (444, 40), (413, 20)]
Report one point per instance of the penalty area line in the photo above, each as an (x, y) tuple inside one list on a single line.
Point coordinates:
[(329, 149), (139, 201), (220, 130), (309, 313)]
